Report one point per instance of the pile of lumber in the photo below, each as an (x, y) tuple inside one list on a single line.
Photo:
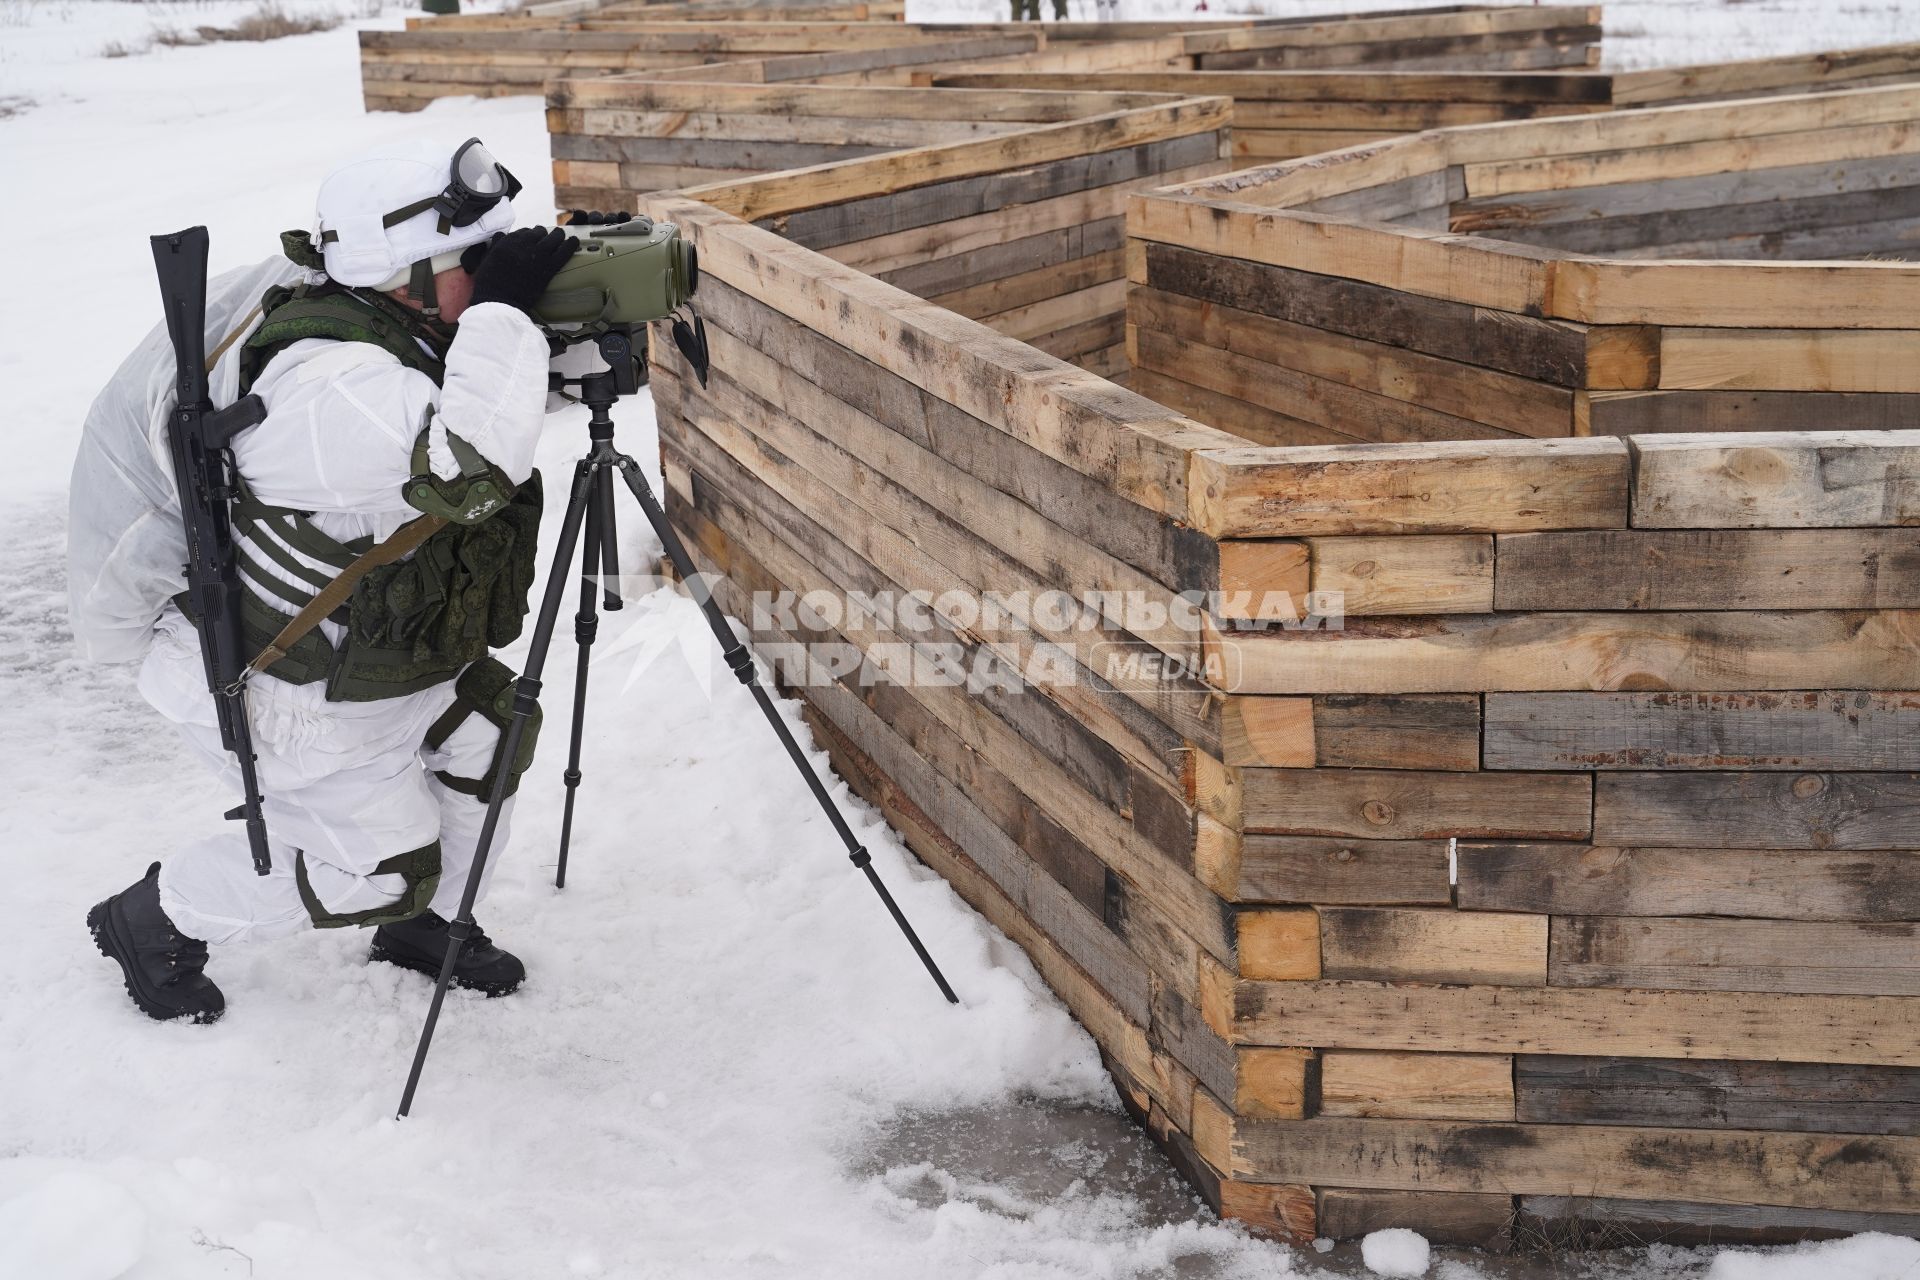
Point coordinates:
[(1695, 268), (1492, 837)]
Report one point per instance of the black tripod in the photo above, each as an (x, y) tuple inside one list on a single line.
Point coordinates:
[(590, 504)]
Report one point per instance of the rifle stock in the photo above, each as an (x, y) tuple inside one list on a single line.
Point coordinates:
[(202, 470)]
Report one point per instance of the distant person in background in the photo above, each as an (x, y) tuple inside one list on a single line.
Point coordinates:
[(1029, 10)]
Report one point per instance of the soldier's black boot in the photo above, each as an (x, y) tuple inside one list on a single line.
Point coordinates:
[(421, 944), (164, 969)]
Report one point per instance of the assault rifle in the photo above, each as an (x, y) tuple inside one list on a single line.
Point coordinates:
[(203, 474)]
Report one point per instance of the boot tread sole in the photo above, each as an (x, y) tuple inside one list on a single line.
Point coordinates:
[(101, 925)]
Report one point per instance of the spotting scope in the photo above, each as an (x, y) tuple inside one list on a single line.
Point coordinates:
[(626, 273)]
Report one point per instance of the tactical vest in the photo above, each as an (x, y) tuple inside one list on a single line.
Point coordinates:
[(413, 624)]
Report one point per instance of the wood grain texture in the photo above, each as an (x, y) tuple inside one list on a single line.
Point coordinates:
[(1418, 945), (1478, 1220), (1777, 481), (1800, 1096), (1536, 349), (1330, 870), (1415, 805), (1693, 954), (1421, 1086), (1776, 884), (1746, 651), (1882, 1030), (1278, 944), (1758, 810), (1458, 487), (1804, 730), (1415, 575), (1276, 1084), (1625, 413), (1743, 1166), (1392, 731), (1709, 569), (1274, 732)]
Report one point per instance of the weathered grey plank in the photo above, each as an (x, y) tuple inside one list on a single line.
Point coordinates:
[(1626, 413), (1330, 871), (1709, 569), (1550, 351), (1780, 884), (1707, 1094), (1809, 957), (872, 216), (1816, 729), (1554, 1222), (1758, 810)]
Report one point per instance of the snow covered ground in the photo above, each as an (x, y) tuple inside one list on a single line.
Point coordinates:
[(726, 1064)]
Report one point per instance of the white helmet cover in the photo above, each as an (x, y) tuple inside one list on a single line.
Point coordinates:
[(360, 252)]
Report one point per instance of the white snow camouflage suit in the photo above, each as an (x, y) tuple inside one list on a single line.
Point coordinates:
[(348, 784)]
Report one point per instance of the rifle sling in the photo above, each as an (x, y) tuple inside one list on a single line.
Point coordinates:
[(330, 597)]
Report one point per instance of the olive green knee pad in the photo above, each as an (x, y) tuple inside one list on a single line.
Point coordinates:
[(419, 868), (485, 689)]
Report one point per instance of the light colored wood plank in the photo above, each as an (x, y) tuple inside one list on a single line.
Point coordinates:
[(1278, 944), (1416, 945), (1591, 1020), (1405, 804), (1707, 652), (1273, 1084), (1435, 574), (1253, 573), (1418, 1086), (1777, 480), (1464, 487), (1886, 360)]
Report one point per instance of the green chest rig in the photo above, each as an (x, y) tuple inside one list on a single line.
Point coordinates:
[(416, 622)]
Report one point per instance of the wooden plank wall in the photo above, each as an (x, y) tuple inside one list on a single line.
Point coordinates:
[(1509, 281), (493, 55), (854, 441), (1550, 887), (1582, 853), (404, 70), (1287, 114), (1025, 233)]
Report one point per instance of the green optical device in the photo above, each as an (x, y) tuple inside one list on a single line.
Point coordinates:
[(626, 273)]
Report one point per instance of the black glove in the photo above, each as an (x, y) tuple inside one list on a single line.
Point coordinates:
[(518, 266)]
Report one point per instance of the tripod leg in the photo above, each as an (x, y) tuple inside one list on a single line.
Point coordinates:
[(741, 663), (586, 626), (526, 697), (609, 543)]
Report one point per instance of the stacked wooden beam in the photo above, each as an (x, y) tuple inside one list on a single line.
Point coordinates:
[(1577, 860), (515, 54), (1003, 207), (1507, 280), (1484, 836), (1287, 114)]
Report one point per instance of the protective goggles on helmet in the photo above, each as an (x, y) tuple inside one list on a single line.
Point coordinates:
[(475, 183)]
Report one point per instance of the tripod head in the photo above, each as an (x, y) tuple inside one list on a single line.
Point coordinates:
[(623, 355), (623, 350)]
